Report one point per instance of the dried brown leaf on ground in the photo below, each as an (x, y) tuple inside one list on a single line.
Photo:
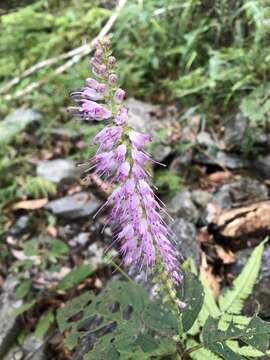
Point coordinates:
[(220, 177), (206, 272), (253, 220), (30, 204), (227, 256)]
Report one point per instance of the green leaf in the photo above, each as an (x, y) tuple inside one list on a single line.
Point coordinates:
[(232, 300), (23, 289), (30, 248), (58, 247), (25, 307), (75, 277), (115, 319), (158, 317), (255, 334), (43, 325), (190, 292), (201, 353)]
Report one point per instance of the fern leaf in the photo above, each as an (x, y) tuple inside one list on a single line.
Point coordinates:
[(232, 300), (226, 319), (201, 353), (246, 351)]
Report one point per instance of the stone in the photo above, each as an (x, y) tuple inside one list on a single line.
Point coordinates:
[(58, 170), (181, 205), (16, 122), (262, 165), (261, 291), (9, 323), (221, 158), (160, 152), (144, 117), (35, 348), (240, 191), (235, 128), (201, 198), (80, 239), (185, 240), (21, 226), (15, 353), (75, 206)]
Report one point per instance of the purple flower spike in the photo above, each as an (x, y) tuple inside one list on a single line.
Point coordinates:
[(136, 213)]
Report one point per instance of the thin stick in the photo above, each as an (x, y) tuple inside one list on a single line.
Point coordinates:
[(76, 54)]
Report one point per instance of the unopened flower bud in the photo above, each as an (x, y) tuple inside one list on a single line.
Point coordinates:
[(119, 96), (101, 88), (111, 60), (96, 44), (113, 79), (106, 43), (98, 53), (102, 69)]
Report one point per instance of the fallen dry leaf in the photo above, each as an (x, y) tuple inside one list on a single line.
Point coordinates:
[(30, 204), (52, 230), (227, 256), (204, 237), (206, 272), (220, 176)]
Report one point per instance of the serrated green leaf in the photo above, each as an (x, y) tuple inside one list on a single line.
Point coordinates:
[(43, 325), (232, 300), (75, 277)]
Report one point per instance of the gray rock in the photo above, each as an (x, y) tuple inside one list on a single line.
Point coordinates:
[(230, 161), (261, 292), (16, 122), (21, 225), (80, 239), (35, 348), (262, 165), (161, 151), (185, 238), (201, 198), (15, 353), (75, 206), (235, 128), (181, 205), (143, 117), (240, 191), (9, 325), (58, 170)]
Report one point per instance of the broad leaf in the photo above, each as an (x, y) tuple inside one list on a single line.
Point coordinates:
[(191, 292), (113, 324), (75, 277)]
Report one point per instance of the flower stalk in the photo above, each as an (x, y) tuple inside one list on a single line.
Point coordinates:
[(136, 217)]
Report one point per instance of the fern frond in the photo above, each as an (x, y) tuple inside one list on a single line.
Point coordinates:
[(36, 186), (232, 300), (201, 353), (226, 319), (246, 351)]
